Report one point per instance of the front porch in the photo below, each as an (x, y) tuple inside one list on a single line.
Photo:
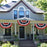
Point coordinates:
[(29, 31)]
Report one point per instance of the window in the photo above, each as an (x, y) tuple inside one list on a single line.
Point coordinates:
[(27, 14), (8, 32), (15, 14), (21, 12)]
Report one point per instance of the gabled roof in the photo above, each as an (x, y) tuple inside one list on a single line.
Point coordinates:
[(10, 6)]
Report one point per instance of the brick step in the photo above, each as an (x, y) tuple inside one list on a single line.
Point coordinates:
[(28, 46), (27, 43)]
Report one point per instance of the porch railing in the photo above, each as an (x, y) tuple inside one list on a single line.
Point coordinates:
[(42, 38), (7, 38)]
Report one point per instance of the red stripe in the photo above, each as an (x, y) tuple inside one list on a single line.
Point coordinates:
[(6, 27), (40, 28), (22, 24)]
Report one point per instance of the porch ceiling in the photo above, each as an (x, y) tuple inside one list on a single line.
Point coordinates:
[(14, 21)]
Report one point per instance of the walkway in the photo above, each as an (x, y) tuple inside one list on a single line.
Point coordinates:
[(27, 43)]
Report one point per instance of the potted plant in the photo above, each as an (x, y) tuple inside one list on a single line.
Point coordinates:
[(36, 40)]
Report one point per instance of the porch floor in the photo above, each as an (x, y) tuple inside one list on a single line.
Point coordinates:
[(27, 43)]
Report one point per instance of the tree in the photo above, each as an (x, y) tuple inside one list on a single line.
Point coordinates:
[(1, 1), (42, 4)]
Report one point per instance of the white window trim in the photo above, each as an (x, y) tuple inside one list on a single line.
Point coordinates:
[(13, 13), (29, 12), (20, 7), (18, 11)]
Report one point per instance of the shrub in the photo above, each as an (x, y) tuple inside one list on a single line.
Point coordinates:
[(43, 45), (6, 44)]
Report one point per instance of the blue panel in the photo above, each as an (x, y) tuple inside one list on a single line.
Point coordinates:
[(14, 1), (27, 14), (15, 14), (21, 13), (7, 5)]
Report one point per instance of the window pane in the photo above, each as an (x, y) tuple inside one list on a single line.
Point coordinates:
[(21, 9), (27, 14), (21, 14), (15, 14)]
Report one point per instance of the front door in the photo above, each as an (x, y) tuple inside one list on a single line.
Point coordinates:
[(21, 32)]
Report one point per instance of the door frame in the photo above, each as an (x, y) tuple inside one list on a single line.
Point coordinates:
[(24, 33)]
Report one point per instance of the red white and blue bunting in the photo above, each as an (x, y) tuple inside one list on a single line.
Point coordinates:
[(6, 25), (41, 26), (23, 22)]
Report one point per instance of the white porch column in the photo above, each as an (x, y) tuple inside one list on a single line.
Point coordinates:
[(33, 31), (15, 28)]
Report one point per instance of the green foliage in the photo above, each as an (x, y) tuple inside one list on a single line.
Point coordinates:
[(6, 44), (1, 1), (14, 45), (30, 0), (46, 16), (1, 43), (46, 30), (42, 4), (17, 39), (43, 45), (15, 36), (38, 44)]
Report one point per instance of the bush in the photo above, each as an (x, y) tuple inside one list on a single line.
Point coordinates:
[(43, 45), (1, 43), (6, 44), (14, 45), (17, 39)]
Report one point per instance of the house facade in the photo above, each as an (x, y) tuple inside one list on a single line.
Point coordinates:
[(22, 13)]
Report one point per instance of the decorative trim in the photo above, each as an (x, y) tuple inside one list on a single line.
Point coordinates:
[(41, 26), (6, 25), (24, 23)]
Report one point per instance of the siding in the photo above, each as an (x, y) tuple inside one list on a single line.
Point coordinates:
[(10, 16)]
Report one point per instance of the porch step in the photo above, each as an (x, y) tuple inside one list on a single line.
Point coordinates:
[(27, 43)]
